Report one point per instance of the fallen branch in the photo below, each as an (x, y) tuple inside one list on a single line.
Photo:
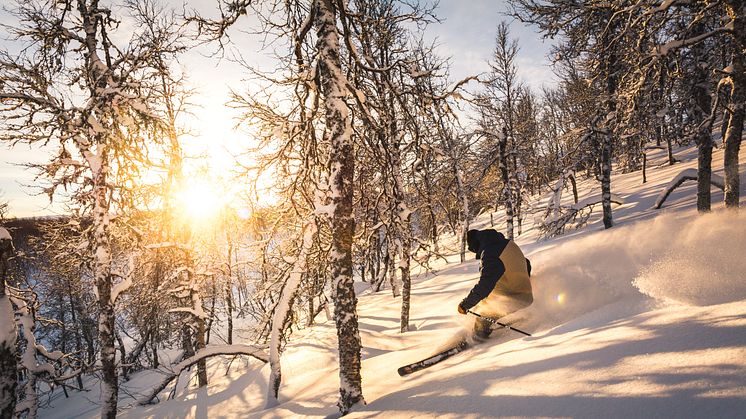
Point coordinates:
[(257, 352), (576, 214), (686, 174)]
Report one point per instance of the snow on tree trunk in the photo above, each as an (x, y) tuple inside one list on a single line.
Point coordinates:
[(103, 282), (342, 167), (610, 68), (404, 215), (8, 334), (402, 221), (27, 321), (555, 202), (606, 180), (737, 106), (195, 315), (507, 195), (703, 107), (391, 267), (515, 190), (283, 311), (404, 266), (200, 342)]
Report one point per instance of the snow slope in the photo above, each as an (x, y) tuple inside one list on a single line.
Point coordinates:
[(647, 319)]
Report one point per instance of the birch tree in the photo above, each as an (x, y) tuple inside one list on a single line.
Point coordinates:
[(593, 36), (319, 129), (497, 108), (76, 88), (687, 33), (8, 363)]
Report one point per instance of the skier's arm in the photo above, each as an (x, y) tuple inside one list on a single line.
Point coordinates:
[(492, 270)]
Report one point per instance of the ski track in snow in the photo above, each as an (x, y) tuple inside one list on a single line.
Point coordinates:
[(644, 320)]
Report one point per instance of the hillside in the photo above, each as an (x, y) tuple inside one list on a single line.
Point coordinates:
[(644, 320)]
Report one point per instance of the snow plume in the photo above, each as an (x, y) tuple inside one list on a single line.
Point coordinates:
[(703, 263), (689, 259)]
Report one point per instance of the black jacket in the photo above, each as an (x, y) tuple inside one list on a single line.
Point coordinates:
[(488, 245)]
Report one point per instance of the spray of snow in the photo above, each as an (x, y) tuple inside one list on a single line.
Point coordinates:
[(705, 264), (693, 260)]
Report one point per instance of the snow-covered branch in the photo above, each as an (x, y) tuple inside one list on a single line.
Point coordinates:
[(678, 180), (257, 352)]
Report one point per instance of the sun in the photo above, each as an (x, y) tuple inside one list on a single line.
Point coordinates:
[(200, 201)]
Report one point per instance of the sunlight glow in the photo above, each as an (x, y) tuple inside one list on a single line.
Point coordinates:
[(200, 201)]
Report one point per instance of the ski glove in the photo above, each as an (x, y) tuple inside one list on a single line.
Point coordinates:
[(461, 309)]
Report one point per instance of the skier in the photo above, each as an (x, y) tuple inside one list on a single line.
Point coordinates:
[(503, 286)]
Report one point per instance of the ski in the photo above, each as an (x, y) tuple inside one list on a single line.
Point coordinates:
[(430, 361)]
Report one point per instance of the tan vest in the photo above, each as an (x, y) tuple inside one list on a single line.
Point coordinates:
[(515, 279)]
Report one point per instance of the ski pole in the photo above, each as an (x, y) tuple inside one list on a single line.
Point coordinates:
[(493, 321)]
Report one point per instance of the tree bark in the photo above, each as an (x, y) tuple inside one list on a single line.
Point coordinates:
[(606, 179), (342, 167), (507, 194), (283, 311), (8, 362), (703, 108), (229, 293), (103, 282), (733, 136)]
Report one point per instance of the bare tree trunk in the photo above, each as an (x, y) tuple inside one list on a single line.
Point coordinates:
[(391, 266), (211, 320), (31, 400), (669, 151), (704, 171), (703, 138), (406, 279), (199, 345), (187, 346), (574, 187), (724, 124), (229, 290), (78, 339), (507, 195), (8, 335), (734, 134), (103, 282), (122, 357), (342, 164), (606, 180), (283, 311), (154, 349)]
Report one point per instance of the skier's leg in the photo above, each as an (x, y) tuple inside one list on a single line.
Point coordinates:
[(482, 328)]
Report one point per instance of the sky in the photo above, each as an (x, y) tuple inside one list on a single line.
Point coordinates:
[(466, 35)]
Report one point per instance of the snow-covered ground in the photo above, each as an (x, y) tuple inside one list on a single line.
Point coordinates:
[(647, 319)]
